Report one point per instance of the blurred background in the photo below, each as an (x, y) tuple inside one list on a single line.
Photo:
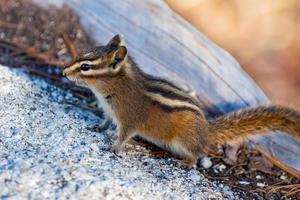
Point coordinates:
[(263, 35)]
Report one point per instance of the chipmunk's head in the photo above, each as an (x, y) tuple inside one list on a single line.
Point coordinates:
[(103, 62)]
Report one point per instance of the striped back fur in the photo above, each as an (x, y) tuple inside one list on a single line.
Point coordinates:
[(167, 95)]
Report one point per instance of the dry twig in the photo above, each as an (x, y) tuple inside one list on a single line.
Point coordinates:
[(279, 164), (8, 25), (70, 45), (287, 190), (30, 52)]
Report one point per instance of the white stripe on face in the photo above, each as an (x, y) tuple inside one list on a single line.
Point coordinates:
[(96, 72)]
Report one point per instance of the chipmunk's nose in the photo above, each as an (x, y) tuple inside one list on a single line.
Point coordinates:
[(68, 70), (65, 72)]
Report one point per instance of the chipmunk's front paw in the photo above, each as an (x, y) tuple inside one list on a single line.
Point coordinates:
[(116, 148), (190, 163)]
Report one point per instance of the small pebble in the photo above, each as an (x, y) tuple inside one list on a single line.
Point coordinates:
[(283, 177), (221, 167), (195, 178), (206, 162), (258, 177), (261, 184), (244, 183), (94, 147)]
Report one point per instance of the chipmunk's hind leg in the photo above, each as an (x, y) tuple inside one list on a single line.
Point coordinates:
[(190, 162), (191, 145), (189, 158)]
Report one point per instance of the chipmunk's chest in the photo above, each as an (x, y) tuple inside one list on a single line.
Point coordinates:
[(106, 103)]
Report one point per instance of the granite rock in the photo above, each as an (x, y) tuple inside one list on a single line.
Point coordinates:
[(48, 152)]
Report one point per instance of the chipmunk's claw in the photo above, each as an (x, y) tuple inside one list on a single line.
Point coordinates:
[(116, 148)]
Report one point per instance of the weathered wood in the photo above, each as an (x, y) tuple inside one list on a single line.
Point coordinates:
[(166, 45)]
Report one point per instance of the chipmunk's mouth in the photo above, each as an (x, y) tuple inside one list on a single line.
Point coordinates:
[(78, 81)]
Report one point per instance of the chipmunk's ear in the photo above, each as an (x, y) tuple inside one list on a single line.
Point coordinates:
[(120, 54), (118, 57), (117, 41)]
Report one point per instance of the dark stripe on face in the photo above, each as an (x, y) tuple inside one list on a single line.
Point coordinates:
[(99, 66), (171, 95), (93, 67), (168, 108), (104, 75), (82, 60)]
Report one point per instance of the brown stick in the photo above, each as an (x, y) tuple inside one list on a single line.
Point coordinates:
[(288, 190), (279, 164), (70, 45), (31, 51), (43, 74), (8, 25), (40, 55), (58, 63)]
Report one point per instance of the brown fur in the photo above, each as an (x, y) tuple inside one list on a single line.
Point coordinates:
[(259, 120), (168, 116)]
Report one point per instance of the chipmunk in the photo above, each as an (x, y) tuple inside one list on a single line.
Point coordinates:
[(162, 113)]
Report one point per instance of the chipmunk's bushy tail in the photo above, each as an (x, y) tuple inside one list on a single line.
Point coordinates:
[(254, 121)]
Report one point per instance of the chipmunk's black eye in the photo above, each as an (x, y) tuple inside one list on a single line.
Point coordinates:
[(85, 67), (114, 65)]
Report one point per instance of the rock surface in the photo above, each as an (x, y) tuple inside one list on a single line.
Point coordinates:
[(47, 152)]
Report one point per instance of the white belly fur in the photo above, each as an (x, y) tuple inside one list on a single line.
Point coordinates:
[(106, 107), (174, 147)]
